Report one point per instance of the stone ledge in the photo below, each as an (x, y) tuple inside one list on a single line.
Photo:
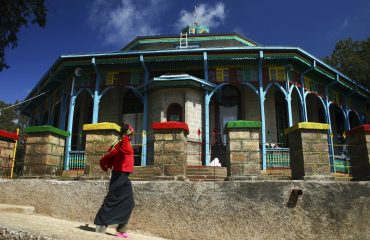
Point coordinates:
[(46, 128), (243, 124), (307, 125), (101, 126)]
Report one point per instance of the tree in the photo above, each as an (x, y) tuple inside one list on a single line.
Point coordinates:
[(13, 15), (353, 59), (10, 121), (7, 118)]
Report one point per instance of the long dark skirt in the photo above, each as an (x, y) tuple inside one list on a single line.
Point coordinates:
[(118, 204)]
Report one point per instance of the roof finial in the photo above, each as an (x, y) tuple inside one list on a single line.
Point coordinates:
[(195, 15), (194, 27)]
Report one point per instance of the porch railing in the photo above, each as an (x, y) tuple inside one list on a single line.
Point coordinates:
[(76, 160), (277, 158)]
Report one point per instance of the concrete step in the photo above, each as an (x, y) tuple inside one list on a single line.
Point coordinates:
[(17, 209)]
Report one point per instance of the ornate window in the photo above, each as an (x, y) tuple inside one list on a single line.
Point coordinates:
[(276, 73), (174, 112)]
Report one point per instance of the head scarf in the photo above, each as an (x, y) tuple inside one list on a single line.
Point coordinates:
[(130, 130)]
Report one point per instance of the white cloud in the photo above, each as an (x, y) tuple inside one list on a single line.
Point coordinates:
[(210, 16), (120, 22)]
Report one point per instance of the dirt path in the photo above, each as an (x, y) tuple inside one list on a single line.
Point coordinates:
[(15, 225)]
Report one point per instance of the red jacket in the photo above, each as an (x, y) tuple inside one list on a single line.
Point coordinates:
[(121, 158)]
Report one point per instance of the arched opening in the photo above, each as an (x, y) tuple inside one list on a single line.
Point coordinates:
[(315, 109), (45, 118), (131, 103), (174, 112), (338, 127), (132, 113), (281, 115), (82, 115), (296, 106), (354, 120), (56, 115), (225, 106)]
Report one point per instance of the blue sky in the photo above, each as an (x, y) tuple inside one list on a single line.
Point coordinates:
[(87, 26)]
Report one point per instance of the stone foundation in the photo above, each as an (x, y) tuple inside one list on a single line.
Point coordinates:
[(212, 210), (242, 150), (309, 151), (8, 143), (358, 140), (44, 150), (170, 152), (99, 138)]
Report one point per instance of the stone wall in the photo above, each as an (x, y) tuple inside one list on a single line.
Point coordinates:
[(243, 153), (6, 156), (212, 210), (99, 138), (309, 151), (358, 140), (170, 152), (44, 153), (193, 111)]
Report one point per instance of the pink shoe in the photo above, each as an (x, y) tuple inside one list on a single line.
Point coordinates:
[(122, 235)]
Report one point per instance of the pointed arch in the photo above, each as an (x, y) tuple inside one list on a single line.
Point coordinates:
[(278, 87), (296, 101), (316, 110), (354, 119)]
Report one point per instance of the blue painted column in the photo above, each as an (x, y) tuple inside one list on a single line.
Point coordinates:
[(96, 98), (330, 130), (69, 126), (347, 125), (145, 113), (303, 103), (262, 110), (288, 98), (207, 99)]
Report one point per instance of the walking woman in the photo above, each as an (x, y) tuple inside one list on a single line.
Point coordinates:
[(119, 202)]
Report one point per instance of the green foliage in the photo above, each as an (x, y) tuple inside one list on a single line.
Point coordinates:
[(10, 121), (14, 14), (7, 118), (353, 59)]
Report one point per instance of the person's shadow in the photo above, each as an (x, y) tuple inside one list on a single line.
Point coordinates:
[(86, 227)]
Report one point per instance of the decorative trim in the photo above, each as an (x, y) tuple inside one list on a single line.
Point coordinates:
[(307, 125), (243, 124), (46, 128), (362, 128), (9, 135), (170, 126), (101, 126)]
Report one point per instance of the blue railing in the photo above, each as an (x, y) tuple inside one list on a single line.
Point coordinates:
[(277, 158), (76, 160), (342, 164)]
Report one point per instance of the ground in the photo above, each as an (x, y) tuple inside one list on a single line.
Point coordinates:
[(19, 222)]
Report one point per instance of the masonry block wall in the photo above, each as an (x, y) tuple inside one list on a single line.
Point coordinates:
[(8, 141), (243, 151), (358, 140), (44, 150), (193, 112), (170, 147), (309, 150), (99, 138)]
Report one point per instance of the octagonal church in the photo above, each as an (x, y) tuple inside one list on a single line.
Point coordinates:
[(205, 80)]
